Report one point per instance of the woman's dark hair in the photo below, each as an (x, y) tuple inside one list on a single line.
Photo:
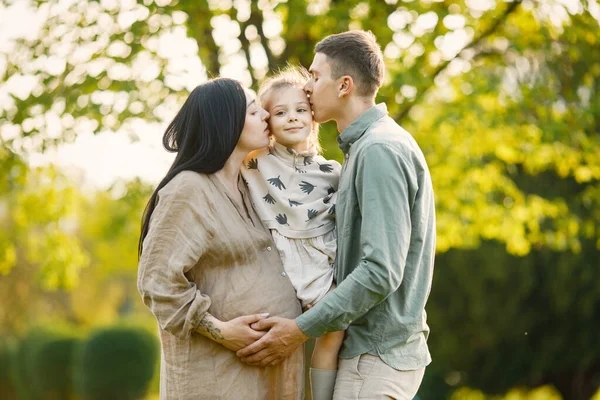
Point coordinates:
[(203, 133)]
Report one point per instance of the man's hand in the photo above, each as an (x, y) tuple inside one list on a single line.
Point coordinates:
[(277, 344)]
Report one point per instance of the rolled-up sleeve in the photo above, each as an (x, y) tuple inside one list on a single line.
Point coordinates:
[(175, 242), (385, 184)]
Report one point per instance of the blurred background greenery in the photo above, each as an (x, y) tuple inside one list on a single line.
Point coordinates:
[(502, 96)]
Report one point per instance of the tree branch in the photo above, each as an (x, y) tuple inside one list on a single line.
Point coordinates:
[(489, 31), (246, 49), (257, 19), (200, 29)]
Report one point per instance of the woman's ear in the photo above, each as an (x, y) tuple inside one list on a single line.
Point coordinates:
[(346, 86)]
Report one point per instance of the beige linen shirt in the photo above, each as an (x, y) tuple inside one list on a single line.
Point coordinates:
[(204, 252)]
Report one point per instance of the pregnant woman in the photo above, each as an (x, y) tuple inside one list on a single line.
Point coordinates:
[(208, 268)]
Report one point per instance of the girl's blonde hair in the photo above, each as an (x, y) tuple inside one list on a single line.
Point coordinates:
[(290, 76)]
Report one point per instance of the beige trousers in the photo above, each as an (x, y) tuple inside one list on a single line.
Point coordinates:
[(368, 377)]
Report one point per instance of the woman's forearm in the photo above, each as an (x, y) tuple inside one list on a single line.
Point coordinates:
[(234, 334), (211, 327)]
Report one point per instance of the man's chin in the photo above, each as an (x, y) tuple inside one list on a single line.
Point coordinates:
[(320, 119)]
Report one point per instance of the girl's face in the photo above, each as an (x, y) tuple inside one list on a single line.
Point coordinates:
[(291, 118), (255, 134)]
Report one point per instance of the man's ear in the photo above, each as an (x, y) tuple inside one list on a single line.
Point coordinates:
[(345, 86)]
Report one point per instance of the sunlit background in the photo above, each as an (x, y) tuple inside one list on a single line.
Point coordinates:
[(502, 96)]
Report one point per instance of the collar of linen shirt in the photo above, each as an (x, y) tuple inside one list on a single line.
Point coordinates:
[(356, 129)]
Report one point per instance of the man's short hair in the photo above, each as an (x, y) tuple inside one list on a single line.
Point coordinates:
[(355, 53)]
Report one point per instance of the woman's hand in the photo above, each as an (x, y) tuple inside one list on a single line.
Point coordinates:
[(237, 333)]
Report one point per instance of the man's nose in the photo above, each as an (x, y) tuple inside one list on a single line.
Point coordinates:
[(307, 88)]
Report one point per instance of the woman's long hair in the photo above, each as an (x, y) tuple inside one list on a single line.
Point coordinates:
[(203, 133)]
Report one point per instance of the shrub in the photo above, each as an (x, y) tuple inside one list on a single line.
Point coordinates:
[(42, 365), (116, 363), (7, 384), (54, 369)]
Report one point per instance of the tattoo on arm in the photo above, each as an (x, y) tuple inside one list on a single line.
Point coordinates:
[(209, 327)]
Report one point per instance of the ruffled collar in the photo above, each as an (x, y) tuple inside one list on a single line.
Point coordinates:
[(291, 156)]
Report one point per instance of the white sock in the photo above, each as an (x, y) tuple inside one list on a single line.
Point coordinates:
[(322, 382)]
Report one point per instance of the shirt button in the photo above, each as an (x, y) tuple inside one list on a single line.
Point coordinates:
[(283, 274), (269, 248), (346, 156)]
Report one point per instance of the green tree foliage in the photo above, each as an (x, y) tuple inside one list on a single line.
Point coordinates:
[(47, 282), (37, 210), (495, 91), (109, 232), (502, 96), (506, 321), (39, 249)]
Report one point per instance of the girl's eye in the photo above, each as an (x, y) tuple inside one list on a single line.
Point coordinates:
[(279, 113), (301, 110)]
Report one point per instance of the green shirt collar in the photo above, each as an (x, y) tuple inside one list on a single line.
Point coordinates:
[(356, 129)]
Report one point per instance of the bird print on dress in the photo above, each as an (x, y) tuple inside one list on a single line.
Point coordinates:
[(277, 183), (306, 187), (311, 214), (282, 219), (327, 168), (269, 199), (291, 202), (252, 164)]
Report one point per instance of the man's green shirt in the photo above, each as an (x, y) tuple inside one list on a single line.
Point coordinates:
[(385, 220)]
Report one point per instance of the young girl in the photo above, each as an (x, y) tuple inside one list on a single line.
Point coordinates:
[(293, 191)]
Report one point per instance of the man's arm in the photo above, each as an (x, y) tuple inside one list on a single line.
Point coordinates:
[(386, 186)]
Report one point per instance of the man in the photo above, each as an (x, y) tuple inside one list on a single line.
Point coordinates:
[(386, 235)]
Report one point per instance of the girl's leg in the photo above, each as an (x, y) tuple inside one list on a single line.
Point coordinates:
[(324, 365), (327, 347)]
